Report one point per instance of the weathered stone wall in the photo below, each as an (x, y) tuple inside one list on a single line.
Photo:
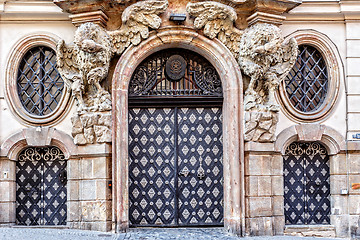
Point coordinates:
[(7, 191), (89, 194), (264, 190)]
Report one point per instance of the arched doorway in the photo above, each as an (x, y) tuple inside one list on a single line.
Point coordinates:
[(175, 141), (41, 193), (306, 184), (232, 111)]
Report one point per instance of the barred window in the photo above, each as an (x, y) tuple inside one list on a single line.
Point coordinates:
[(306, 85), (40, 86)]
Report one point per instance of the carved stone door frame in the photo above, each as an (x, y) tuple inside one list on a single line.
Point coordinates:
[(233, 159)]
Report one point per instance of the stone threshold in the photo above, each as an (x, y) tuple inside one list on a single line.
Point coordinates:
[(310, 230)]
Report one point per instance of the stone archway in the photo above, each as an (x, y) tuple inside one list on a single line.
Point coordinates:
[(227, 67), (335, 147), (36, 138)]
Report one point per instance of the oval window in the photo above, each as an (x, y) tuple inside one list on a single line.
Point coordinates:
[(39, 84), (307, 83)]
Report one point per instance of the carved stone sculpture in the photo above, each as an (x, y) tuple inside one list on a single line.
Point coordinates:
[(263, 56), (266, 58), (85, 64), (136, 21), (218, 21), (260, 126)]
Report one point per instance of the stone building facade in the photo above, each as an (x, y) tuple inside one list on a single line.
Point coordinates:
[(242, 114)]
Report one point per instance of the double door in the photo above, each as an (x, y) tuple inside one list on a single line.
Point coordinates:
[(306, 184), (41, 187), (175, 166)]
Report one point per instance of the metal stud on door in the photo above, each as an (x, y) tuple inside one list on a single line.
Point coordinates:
[(306, 184), (41, 187)]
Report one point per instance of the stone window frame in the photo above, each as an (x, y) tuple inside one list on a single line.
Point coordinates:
[(335, 70), (21, 47)]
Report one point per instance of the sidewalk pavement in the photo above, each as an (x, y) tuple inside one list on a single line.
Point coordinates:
[(23, 233)]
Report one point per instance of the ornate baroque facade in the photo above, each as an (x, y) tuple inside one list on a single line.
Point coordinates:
[(242, 114)]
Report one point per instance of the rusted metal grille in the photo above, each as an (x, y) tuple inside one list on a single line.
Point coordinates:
[(307, 83), (152, 78), (39, 83)]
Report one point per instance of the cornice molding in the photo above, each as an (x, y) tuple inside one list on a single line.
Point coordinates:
[(328, 10), (31, 11)]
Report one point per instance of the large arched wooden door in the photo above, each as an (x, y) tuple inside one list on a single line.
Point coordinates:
[(175, 141)]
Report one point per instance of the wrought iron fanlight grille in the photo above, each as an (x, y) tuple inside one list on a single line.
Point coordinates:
[(39, 84), (307, 83), (175, 72)]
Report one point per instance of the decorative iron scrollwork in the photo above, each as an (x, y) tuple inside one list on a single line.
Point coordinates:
[(311, 149), (175, 72)]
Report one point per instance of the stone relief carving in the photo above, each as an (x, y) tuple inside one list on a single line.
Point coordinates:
[(136, 21), (260, 126), (85, 64), (218, 22), (266, 58), (263, 56)]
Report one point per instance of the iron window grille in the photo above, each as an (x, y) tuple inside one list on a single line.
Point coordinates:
[(39, 84), (307, 83)]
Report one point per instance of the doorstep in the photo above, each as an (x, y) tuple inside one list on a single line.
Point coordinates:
[(310, 230)]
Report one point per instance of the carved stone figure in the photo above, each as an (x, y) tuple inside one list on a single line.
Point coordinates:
[(263, 56), (266, 58), (218, 21), (85, 64), (136, 21)]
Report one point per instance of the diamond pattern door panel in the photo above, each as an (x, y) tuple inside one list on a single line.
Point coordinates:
[(200, 166), (41, 187), (175, 166), (306, 184), (152, 166)]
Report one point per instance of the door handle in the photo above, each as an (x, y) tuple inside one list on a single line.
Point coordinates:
[(201, 173), (184, 172)]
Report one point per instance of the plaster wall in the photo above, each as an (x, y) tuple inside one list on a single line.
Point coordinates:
[(336, 32), (10, 33)]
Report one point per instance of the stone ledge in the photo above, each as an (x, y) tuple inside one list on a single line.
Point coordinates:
[(310, 230), (259, 147)]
